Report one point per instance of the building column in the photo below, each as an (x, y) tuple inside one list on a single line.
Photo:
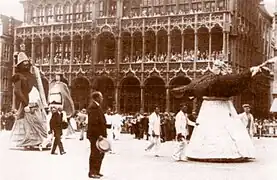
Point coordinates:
[(93, 51), (182, 45), (132, 48), (63, 47), (33, 53), (168, 47), (118, 51), (167, 109), (51, 53), (210, 45), (142, 98), (224, 45), (156, 46), (71, 58), (227, 46), (82, 50), (116, 98), (194, 63), (42, 53)]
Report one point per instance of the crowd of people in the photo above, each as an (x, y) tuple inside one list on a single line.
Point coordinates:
[(188, 56)]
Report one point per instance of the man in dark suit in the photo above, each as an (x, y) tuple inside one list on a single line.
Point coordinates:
[(56, 127), (96, 130)]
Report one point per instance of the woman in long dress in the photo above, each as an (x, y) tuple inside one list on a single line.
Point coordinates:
[(60, 86), (30, 129), (220, 136)]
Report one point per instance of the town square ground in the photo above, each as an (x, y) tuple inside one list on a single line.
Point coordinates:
[(131, 162)]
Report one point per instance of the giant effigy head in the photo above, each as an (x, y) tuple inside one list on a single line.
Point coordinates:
[(22, 62), (220, 67)]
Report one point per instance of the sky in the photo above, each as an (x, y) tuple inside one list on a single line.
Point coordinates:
[(15, 9)]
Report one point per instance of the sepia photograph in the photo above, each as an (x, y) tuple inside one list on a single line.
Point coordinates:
[(138, 89)]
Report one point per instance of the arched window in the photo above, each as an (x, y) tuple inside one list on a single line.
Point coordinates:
[(68, 12), (58, 12), (101, 8), (40, 13), (49, 13), (78, 11), (88, 10)]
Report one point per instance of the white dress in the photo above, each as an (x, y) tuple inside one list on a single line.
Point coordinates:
[(220, 135)]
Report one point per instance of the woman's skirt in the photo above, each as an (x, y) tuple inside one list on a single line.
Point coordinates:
[(31, 130), (220, 136)]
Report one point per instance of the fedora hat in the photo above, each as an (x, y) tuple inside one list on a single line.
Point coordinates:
[(103, 145), (21, 57)]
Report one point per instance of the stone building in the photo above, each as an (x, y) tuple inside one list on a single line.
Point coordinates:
[(135, 51), (7, 26)]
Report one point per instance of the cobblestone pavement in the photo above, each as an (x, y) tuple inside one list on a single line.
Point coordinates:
[(130, 162)]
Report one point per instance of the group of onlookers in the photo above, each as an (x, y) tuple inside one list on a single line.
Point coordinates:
[(7, 120)]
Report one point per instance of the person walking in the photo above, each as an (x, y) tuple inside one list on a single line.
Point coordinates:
[(82, 119), (248, 120), (181, 123), (96, 131), (155, 131), (56, 128)]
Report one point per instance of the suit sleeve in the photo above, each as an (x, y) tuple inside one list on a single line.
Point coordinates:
[(96, 127)]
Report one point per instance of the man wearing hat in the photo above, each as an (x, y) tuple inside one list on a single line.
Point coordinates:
[(30, 128), (96, 131), (247, 119)]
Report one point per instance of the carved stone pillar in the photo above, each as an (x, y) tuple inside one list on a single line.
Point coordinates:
[(167, 108), (156, 45), (168, 47), (224, 45), (93, 54), (132, 48), (82, 50), (116, 98), (142, 98), (118, 51), (33, 53), (182, 45), (71, 58), (210, 45), (42, 53)]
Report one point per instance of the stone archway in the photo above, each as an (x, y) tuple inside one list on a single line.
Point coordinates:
[(154, 94), (174, 101), (80, 91), (130, 95)]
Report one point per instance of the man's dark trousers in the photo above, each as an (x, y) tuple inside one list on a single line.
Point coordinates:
[(96, 157), (57, 142)]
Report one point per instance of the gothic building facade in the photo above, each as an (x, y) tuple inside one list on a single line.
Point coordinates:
[(7, 26), (135, 51)]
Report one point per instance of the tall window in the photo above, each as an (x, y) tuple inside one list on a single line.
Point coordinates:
[(146, 10), (209, 6), (68, 12), (101, 8), (88, 10), (78, 11), (59, 13), (135, 7), (221, 5), (171, 6), (40, 14), (158, 6), (197, 6), (49, 13), (112, 9)]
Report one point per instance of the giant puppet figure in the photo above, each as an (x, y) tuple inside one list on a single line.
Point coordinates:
[(220, 136), (30, 127), (59, 96)]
